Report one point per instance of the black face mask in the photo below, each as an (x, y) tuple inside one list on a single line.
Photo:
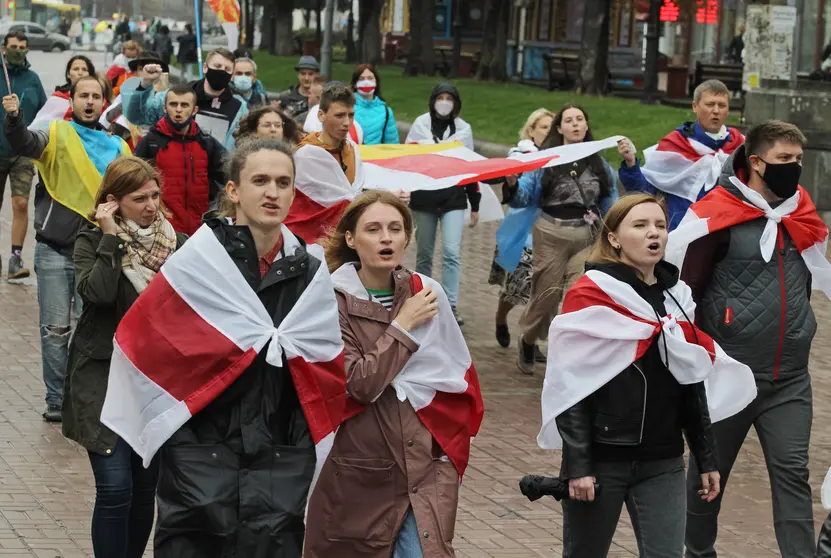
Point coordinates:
[(782, 178), (178, 126), (218, 79)]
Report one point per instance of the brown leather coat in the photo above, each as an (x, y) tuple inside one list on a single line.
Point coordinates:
[(384, 460)]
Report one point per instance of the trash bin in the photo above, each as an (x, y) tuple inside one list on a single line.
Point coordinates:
[(390, 52), (677, 76), (311, 48)]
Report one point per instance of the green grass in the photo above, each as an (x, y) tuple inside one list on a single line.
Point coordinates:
[(496, 111)]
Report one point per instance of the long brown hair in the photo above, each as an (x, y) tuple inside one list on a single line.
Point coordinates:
[(337, 251), (124, 176), (602, 251)]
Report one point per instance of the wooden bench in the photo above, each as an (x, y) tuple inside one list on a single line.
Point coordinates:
[(563, 70), (469, 62), (729, 74)]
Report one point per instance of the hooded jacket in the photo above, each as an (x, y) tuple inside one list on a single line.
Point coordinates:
[(191, 166), (759, 312), (454, 197), (639, 415), (26, 84)]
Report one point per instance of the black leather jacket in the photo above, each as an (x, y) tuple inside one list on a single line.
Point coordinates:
[(641, 413)]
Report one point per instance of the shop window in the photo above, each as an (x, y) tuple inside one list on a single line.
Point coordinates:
[(441, 19), (574, 20)]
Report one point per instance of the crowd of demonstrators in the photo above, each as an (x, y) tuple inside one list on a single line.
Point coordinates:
[(295, 100), (71, 156), (573, 199), (371, 111), (187, 54), (269, 122), (383, 319), (116, 255), (189, 161), (686, 163), (759, 198), (17, 168), (246, 83), (445, 207), (220, 109), (516, 285)]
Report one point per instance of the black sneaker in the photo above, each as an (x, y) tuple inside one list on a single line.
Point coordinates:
[(53, 413), (503, 335), (526, 358), (459, 319), (539, 356)]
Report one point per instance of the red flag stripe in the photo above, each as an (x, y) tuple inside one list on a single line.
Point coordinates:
[(214, 361), (676, 142), (321, 390), (311, 221)]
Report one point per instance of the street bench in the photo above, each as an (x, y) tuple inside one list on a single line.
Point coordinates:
[(469, 62), (729, 74), (563, 70)]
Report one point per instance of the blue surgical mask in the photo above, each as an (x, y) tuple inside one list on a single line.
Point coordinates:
[(243, 83)]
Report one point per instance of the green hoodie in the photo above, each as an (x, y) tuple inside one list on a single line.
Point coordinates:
[(26, 84)]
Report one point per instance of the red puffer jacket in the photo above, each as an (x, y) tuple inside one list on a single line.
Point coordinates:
[(191, 169)]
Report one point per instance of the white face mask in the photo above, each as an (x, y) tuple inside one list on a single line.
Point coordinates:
[(366, 87), (444, 107)]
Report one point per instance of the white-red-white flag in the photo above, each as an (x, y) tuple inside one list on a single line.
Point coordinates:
[(605, 326), (195, 330), (682, 166), (720, 210), (439, 380)]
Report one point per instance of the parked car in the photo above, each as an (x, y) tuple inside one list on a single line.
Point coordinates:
[(39, 37)]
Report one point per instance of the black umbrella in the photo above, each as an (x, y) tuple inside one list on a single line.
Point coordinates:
[(535, 487)]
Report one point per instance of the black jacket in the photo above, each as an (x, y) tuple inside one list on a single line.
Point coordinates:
[(453, 198), (107, 295), (641, 413), (233, 481)]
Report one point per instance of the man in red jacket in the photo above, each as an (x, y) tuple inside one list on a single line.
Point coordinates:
[(189, 160)]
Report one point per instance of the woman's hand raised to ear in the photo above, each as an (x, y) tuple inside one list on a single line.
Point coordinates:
[(418, 310), (104, 216)]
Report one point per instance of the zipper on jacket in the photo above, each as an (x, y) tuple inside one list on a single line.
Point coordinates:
[(193, 181), (186, 216), (643, 415), (48, 214), (780, 238)]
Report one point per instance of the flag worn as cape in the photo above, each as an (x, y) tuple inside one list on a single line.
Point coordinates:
[(682, 166), (720, 210), (606, 326), (195, 330), (439, 380)]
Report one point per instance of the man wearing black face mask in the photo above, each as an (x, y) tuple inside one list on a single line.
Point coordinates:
[(749, 249), (220, 110), (189, 160)]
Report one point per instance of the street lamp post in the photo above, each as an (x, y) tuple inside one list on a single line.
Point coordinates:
[(326, 48), (650, 90), (456, 57)]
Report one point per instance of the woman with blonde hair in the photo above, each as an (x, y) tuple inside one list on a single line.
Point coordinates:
[(390, 486), (627, 326), (116, 256), (516, 285)]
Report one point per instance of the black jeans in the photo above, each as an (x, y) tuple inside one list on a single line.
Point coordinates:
[(125, 497), (653, 492)]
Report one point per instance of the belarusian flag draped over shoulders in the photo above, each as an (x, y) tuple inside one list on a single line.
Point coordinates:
[(605, 326), (682, 166), (439, 380), (195, 330), (721, 210)]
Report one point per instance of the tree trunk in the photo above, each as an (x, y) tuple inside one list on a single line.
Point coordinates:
[(250, 26), (268, 38), (420, 58), (318, 21), (284, 45), (369, 31), (494, 41), (307, 18), (594, 49), (351, 54)]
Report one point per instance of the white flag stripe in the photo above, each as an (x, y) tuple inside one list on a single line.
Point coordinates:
[(138, 409)]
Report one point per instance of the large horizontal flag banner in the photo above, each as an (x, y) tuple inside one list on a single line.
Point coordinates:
[(435, 166)]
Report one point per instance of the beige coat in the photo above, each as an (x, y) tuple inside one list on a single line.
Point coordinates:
[(384, 460)]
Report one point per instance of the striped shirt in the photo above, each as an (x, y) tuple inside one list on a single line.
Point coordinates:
[(383, 298)]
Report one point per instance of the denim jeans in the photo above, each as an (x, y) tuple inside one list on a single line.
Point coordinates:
[(56, 297), (125, 498), (408, 545), (654, 494), (452, 225)]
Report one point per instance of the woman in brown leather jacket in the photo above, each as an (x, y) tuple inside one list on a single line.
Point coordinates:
[(389, 487)]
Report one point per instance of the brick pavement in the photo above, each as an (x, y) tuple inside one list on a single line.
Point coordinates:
[(46, 490)]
